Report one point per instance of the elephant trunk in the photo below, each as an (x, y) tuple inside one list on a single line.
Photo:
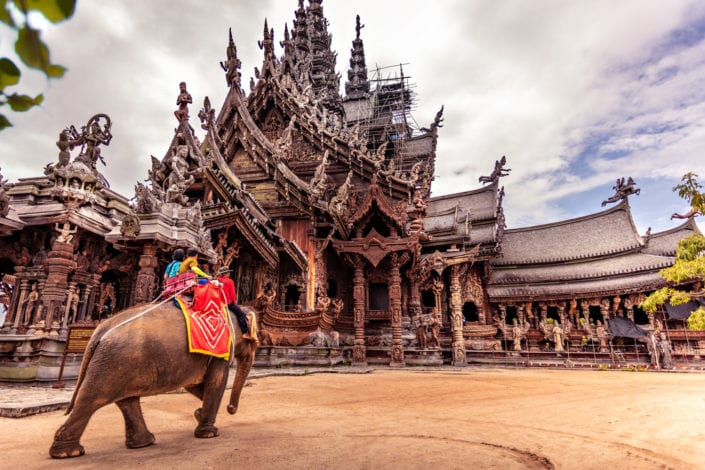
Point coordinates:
[(244, 365)]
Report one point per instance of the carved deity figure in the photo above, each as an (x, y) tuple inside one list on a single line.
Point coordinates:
[(665, 352), (622, 190), (65, 233), (517, 334), (30, 304), (182, 101), (498, 172), (339, 201), (558, 337), (601, 333)]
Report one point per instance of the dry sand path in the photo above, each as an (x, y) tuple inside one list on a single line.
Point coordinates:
[(405, 419)]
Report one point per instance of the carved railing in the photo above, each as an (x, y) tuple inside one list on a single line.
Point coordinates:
[(282, 319)]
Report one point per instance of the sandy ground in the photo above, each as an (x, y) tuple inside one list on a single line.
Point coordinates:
[(405, 419)]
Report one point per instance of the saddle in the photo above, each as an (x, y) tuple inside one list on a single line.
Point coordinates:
[(180, 282)]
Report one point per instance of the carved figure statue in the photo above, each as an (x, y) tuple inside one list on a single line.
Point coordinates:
[(517, 335), (156, 341), (4, 198), (665, 352), (30, 304), (435, 329), (601, 334), (65, 233), (622, 190), (182, 101), (498, 172), (339, 201), (558, 337), (420, 331), (318, 184), (232, 65)]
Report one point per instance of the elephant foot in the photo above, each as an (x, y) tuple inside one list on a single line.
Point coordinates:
[(65, 450), (205, 431), (136, 442), (232, 409)]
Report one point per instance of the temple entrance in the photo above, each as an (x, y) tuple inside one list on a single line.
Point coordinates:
[(379, 296)]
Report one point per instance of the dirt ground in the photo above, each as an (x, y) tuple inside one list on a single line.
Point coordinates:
[(405, 419)]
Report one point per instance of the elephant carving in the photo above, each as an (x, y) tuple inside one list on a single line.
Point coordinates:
[(140, 353)]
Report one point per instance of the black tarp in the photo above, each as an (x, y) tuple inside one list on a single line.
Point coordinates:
[(625, 328), (682, 311)]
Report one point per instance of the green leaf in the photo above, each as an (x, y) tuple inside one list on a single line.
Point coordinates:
[(55, 71), (54, 10), (34, 53), (23, 102), (9, 73), (5, 16), (4, 122)]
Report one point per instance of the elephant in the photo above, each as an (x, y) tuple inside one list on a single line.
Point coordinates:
[(144, 351)]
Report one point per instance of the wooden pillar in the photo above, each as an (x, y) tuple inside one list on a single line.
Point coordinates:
[(395, 304), (59, 263), (146, 277), (456, 315), (359, 349)]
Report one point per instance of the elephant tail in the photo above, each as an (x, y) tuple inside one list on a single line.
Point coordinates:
[(87, 355)]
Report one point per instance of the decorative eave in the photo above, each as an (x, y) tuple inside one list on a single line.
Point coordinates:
[(374, 196), (251, 231), (375, 247)]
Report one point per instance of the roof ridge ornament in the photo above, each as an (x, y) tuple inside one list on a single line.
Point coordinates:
[(231, 66), (622, 190), (498, 172)]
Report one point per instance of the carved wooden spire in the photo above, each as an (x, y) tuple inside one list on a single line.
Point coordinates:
[(357, 85), (232, 64)]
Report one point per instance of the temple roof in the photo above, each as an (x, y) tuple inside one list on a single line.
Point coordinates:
[(608, 232), (665, 243), (469, 217)]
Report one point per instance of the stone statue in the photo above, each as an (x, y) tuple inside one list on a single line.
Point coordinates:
[(420, 331), (182, 101)]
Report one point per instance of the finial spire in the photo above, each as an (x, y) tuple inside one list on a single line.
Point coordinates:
[(357, 85), (232, 64)]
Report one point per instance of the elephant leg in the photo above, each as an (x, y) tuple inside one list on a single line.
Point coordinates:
[(136, 433), (197, 391), (244, 364), (67, 437), (212, 393)]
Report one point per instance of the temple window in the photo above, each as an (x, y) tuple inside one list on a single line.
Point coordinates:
[(595, 314), (640, 317), (292, 296), (511, 314), (379, 296), (428, 299), (552, 312), (470, 312), (332, 288)]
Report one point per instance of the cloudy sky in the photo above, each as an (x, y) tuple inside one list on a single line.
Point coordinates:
[(575, 93)]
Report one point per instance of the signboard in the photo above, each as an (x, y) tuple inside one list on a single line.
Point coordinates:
[(78, 338)]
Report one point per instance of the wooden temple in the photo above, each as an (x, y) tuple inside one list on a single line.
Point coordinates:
[(319, 205)]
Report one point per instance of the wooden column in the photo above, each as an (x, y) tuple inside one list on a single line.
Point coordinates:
[(146, 277), (456, 315), (359, 349), (395, 305)]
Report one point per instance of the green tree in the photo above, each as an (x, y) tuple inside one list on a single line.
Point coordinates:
[(689, 265), (29, 47)]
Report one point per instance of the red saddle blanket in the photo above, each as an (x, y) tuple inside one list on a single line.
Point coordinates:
[(207, 322)]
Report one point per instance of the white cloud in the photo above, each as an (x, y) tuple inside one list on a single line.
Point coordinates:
[(574, 93)]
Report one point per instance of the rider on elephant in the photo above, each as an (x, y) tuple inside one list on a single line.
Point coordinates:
[(191, 262)]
